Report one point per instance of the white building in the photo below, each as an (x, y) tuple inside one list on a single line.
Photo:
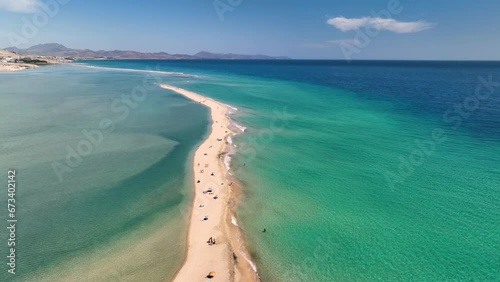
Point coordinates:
[(7, 60)]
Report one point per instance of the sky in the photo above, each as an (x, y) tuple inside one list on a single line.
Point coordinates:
[(312, 29)]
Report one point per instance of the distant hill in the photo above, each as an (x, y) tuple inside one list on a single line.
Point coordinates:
[(58, 50)]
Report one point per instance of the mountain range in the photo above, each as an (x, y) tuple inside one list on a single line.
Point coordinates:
[(58, 50)]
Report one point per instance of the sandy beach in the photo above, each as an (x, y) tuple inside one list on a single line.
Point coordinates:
[(211, 212), (15, 67), (6, 66)]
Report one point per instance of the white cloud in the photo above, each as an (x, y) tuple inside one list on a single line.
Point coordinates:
[(345, 24), (21, 6)]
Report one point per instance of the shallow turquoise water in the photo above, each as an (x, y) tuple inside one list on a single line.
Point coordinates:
[(130, 191), (321, 140)]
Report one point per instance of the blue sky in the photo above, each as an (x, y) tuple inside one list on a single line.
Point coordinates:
[(319, 29)]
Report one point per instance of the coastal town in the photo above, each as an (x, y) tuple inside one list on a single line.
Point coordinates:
[(12, 61)]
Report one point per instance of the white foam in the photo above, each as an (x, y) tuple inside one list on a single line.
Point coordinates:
[(169, 73), (240, 127), (227, 157), (232, 109), (252, 264), (234, 221), (227, 161)]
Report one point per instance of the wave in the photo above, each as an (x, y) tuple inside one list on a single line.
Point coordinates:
[(237, 129), (168, 73), (232, 109), (240, 127), (234, 221), (242, 251), (250, 262), (227, 163), (227, 156)]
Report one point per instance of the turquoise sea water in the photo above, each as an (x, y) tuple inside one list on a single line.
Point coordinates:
[(360, 172)]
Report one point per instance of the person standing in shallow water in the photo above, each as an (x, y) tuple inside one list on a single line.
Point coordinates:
[(264, 231)]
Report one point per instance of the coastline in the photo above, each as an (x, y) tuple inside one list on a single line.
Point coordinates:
[(228, 258), (6, 67)]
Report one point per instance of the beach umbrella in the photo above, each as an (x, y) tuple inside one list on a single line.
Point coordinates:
[(211, 274)]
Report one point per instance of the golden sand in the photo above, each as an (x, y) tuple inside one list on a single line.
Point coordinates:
[(225, 258)]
